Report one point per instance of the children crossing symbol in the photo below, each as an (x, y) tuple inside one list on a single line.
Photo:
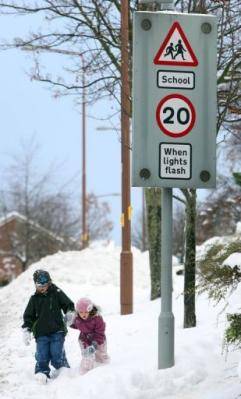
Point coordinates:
[(176, 49)]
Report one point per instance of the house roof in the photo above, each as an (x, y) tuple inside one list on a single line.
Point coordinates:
[(18, 216)]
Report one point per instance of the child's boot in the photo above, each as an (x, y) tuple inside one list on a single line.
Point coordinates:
[(87, 363), (41, 378), (101, 355)]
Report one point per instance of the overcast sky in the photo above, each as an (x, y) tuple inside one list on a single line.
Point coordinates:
[(29, 108)]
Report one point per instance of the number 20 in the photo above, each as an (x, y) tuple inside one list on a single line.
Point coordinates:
[(183, 115)]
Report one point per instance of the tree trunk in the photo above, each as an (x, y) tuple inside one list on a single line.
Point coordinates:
[(190, 260), (153, 213)]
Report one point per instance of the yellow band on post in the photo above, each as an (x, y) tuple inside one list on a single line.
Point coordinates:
[(122, 220), (129, 212), (85, 237)]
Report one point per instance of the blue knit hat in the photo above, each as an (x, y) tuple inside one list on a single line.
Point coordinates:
[(41, 277)]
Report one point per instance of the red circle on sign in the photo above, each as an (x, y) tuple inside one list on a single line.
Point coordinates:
[(175, 101)]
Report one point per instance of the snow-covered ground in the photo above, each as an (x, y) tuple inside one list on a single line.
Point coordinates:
[(200, 371)]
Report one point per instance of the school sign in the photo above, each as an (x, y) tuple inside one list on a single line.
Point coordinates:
[(174, 100)]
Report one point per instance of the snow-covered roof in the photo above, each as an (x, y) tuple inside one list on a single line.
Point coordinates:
[(16, 215)]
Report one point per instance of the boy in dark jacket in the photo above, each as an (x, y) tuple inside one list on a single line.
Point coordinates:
[(44, 318)]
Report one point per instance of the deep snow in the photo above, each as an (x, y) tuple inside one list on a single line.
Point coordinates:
[(200, 371)]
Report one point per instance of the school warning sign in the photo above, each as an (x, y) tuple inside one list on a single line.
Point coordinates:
[(176, 49)]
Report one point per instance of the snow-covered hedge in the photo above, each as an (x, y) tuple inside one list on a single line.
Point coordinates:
[(220, 269)]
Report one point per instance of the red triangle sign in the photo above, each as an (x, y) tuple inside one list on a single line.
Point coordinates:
[(176, 49)]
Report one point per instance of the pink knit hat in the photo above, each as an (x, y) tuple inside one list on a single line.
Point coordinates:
[(84, 305)]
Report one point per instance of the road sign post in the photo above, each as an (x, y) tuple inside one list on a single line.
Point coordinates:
[(174, 123), (166, 317)]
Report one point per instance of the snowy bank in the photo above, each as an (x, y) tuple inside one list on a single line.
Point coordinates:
[(200, 370)]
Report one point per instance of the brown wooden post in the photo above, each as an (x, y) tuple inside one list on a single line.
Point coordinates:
[(126, 260)]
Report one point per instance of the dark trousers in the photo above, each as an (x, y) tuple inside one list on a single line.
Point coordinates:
[(50, 349)]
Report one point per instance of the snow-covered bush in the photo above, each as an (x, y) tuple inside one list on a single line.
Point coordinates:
[(232, 336), (217, 276), (220, 274)]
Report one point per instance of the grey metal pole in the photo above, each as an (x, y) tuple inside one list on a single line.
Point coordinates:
[(166, 318)]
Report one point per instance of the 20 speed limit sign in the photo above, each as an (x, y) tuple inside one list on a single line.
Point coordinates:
[(175, 115)]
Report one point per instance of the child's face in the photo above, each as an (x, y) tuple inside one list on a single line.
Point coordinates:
[(84, 315), (42, 289)]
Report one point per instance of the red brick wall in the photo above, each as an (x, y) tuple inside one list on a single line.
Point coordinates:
[(5, 232), (10, 268)]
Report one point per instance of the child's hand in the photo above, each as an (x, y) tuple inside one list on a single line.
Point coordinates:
[(69, 318), (26, 336), (90, 350), (94, 344)]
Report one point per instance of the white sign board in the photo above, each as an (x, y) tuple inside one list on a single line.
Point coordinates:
[(175, 79), (175, 161), (174, 100)]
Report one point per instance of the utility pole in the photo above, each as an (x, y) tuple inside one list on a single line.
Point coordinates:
[(126, 260), (30, 47), (84, 236)]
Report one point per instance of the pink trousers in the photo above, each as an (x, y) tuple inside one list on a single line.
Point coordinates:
[(88, 361)]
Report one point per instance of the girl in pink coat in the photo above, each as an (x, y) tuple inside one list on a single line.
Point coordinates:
[(92, 337)]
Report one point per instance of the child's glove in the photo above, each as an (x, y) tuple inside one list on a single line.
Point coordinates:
[(26, 336), (94, 344), (90, 350), (69, 318)]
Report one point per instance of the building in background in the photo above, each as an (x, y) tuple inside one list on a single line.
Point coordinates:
[(23, 242)]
